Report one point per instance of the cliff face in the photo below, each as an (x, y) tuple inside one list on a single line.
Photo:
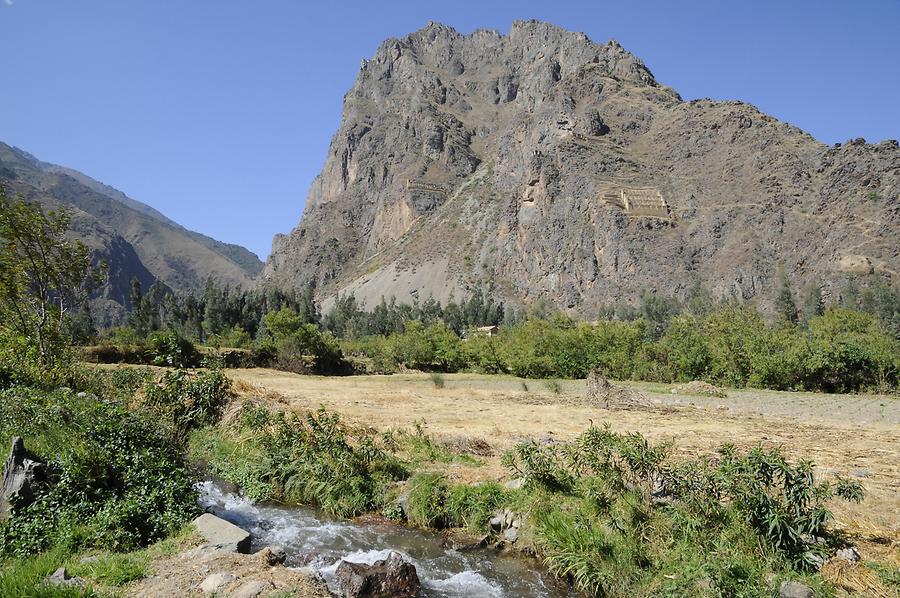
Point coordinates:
[(548, 167)]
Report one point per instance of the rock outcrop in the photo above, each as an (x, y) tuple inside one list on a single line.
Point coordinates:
[(392, 577), (22, 477), (489, 160)]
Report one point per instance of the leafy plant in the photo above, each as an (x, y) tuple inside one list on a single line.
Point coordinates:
[(170, 349), (115, 480), (186, 401)]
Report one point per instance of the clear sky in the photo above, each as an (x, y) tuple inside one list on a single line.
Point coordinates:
[(219, 113)]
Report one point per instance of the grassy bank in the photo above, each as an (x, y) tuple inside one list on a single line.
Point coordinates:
[(612, 513)]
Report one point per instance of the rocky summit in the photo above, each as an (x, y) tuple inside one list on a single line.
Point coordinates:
[(547, 167)]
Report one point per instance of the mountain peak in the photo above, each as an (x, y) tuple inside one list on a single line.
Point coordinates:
[(549, 167)]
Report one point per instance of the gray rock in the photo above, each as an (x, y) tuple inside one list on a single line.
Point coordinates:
[(216, 581), (221, 533), (511, 535), (795, 589), (389, 578), (61, 577), (22, 477), (252, 589), (850, 554), (496, 523)]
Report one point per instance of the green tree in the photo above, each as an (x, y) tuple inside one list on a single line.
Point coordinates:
[(785, 306), (814, 305), (43, 277)]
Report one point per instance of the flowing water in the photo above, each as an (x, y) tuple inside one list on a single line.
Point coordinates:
[(310, 537)]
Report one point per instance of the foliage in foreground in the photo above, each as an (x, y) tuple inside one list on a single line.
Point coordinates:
[(44, 277), (311, 459), (115, 480), (613, 513)]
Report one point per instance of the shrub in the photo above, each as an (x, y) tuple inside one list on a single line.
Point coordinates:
[(115, 480), (170, 349), (849, 351), (614, 513), (433, 347), (437, 380), (301, 347), (185, 401), (311, 459)]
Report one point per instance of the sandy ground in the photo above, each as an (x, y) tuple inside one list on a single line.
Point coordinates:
[(850, 435)]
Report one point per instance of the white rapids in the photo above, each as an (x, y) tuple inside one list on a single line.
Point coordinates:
[(314, 540)]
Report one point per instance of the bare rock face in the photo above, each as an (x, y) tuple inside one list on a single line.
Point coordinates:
[(21, 478), (389, 578), (489, 160)]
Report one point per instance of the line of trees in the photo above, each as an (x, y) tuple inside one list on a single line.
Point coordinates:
[(235, 317)]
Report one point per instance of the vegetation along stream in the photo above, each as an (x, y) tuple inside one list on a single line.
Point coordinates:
[(311, 537)]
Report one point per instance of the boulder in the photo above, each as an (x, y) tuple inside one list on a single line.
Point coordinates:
[(850, 554), (61, 577), (795, 589), (511, 535), (392, 577), (221, 533), (21, 479)]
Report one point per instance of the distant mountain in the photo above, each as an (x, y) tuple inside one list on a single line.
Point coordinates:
[(136, 240), (558, 170)]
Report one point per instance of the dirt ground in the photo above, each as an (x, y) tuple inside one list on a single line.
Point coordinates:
[(850, 435)]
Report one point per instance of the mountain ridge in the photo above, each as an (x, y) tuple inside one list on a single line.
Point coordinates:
[(136, 240), (484, 160)]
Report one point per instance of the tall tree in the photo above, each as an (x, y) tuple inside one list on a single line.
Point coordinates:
[(44, 276), (785, 306), (814, 304)]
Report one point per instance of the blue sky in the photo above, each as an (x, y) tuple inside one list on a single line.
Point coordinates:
[(219, 113)]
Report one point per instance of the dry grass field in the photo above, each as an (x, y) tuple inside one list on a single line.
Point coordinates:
[(851, 435)]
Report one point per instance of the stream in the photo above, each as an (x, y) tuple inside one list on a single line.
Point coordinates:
[(310, 538)]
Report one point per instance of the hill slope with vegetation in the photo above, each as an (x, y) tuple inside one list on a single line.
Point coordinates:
[(134, 239)]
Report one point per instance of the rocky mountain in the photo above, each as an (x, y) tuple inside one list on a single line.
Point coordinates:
[(135, 239), (548, 167)]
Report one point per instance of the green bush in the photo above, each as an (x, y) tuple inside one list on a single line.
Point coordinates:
[(185, 401), (850, 351), (301, 347), (433, 347), (115, 481), (168, 348), (614, 513), (302, 460)]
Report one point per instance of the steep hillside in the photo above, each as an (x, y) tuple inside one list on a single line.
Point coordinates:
[(552, 168), (136, 240)]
